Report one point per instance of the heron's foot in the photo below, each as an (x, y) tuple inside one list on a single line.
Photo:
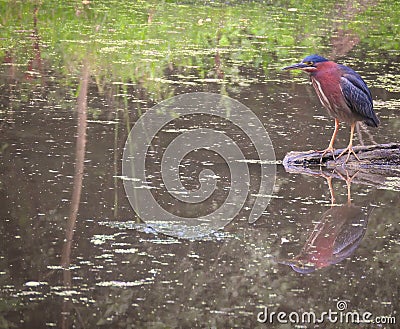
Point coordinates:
[(327, 150), (330, 186), (349, 150), (348, 181)]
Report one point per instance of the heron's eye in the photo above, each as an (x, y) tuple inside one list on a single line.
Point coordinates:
[(309, 63)]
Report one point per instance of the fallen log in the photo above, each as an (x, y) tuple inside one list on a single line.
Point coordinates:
[(379, 165), (379, 156)]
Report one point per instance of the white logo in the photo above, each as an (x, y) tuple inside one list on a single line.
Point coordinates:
[(137, 147)]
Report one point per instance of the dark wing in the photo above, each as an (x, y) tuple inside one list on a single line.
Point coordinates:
[(356, 80), (358, 97)]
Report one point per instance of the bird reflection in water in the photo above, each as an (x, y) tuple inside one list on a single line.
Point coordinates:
[(335, 237)]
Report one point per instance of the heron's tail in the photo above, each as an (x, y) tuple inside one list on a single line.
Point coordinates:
[(372, 121)]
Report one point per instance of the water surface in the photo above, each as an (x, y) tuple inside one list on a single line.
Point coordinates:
[(74, 254)]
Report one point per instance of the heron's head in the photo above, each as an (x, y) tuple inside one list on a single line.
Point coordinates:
[(308, 64)]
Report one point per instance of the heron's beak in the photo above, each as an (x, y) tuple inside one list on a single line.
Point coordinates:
[(299, 66), (297, 265)]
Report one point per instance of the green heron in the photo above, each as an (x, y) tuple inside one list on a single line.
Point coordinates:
[(342, 92)]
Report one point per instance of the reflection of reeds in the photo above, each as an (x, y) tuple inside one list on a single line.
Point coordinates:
[(77, 184), (79, 163), (115, 164), (35, 68)]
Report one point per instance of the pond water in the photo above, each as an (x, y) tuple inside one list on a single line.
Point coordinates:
[(75, 255)]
